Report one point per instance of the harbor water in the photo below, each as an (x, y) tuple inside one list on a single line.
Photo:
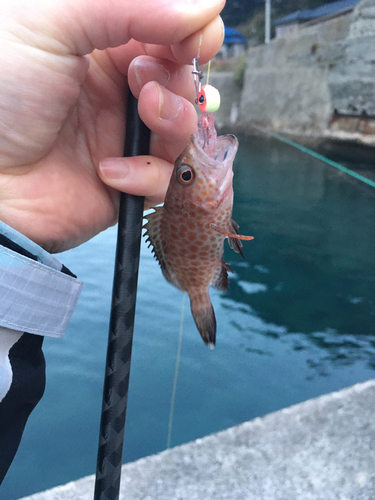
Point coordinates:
[(297, 321)]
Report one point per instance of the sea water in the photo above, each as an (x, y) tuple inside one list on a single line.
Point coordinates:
[(297, 321)]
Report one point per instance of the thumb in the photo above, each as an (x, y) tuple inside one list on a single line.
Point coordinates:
[(85, 25)]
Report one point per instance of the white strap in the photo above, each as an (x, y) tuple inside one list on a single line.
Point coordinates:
[(35, 298)]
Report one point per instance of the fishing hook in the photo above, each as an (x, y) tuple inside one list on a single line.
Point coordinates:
[(198, 77)]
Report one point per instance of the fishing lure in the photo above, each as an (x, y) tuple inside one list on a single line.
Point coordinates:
[(187, 233)]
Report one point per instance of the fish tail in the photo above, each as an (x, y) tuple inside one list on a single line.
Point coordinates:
[(204, 316)]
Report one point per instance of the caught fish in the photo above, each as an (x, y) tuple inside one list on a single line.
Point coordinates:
[(187, 234)]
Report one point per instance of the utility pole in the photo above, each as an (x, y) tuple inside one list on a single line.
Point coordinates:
[(268, 22)]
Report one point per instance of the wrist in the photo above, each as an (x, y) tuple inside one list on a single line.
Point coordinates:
[(38, 293)]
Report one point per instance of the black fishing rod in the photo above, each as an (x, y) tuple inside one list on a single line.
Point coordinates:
[(120, 338)]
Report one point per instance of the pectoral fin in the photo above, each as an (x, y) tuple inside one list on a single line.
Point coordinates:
[(233, 236)]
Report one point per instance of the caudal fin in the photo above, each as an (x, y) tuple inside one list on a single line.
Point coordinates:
[(204, 317)]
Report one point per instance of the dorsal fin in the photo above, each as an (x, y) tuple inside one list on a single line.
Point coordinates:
[(154, 238)]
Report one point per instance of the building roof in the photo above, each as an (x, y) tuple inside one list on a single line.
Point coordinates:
[(233, 36), (329, 9)]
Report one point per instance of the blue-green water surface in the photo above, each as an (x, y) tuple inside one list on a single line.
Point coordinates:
[(297, 321)]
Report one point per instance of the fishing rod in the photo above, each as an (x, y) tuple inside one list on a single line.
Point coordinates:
[(121, 326)]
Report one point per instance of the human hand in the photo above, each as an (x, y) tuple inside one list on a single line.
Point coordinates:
[(64, 67)]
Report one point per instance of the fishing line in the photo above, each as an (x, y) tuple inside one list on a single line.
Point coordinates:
[(208, 71), (178, 358), (316, 155), (199, 46)]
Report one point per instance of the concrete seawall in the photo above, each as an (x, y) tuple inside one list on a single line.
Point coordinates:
[(322, 449), (316, 82)]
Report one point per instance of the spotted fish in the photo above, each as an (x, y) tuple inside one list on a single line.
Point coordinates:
[(187, 233)]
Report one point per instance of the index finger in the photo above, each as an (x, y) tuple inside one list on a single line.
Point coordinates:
[(84, 25), (205, 43)]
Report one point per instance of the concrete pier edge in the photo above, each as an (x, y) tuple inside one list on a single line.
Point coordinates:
[(321, 449)]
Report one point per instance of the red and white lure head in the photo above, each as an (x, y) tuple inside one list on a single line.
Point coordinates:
[(208, 99)]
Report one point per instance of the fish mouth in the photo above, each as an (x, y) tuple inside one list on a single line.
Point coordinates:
[(216, 159), (224, 150)]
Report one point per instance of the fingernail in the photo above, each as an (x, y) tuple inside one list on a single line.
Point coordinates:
[(114, 168), (169, 105), (147, 70), (198, 4)]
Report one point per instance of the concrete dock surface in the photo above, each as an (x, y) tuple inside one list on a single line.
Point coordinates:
[(321, 449)]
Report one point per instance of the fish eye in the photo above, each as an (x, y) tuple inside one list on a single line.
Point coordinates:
[(185, 174)]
